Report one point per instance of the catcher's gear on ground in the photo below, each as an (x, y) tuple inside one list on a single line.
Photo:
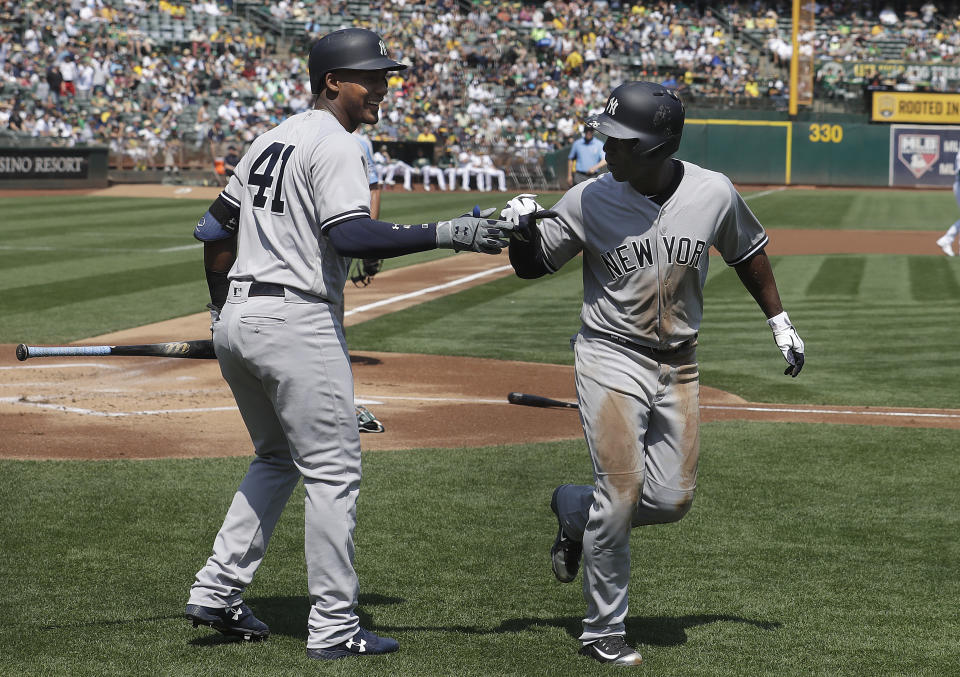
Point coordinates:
[(353, 48), (788, 342), (367, 422), (645, 111), (364, 270), (469, 233)]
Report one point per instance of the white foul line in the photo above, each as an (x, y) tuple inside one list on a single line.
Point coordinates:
[(111, 414), (765, 192), (468, 400), (63, 366), (837, 412), (427, 290)]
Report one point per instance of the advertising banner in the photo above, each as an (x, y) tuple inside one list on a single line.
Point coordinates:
[(922, 107), (923, 155), (53, 167)]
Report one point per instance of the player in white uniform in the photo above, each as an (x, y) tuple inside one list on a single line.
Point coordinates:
[(946, 240), (644, 231), (404, 168), (296, 210), (491, 172)]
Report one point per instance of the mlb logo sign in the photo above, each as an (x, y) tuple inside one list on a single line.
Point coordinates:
[(918, 152)]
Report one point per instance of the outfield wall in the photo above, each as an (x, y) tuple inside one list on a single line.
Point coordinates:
[(53, 167), (827, 151)]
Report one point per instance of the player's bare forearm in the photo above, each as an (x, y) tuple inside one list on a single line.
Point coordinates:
[(375, 193), (756, 274)]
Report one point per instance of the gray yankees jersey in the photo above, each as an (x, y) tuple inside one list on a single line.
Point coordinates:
[(302, 177), (644, 266)]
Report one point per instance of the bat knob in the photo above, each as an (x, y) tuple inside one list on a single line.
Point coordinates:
[(22, 352), (476, 211), (514, 398)]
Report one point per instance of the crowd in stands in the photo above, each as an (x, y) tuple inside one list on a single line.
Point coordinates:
[(490, 77)]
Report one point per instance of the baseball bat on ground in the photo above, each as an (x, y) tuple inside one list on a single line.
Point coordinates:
[(197, 350), (538, 401)]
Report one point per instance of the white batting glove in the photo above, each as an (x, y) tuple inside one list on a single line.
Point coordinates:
[(788, 342), (521, 205)]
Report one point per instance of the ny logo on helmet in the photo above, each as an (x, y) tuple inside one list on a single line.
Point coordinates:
[(383, 49), (612, 105)]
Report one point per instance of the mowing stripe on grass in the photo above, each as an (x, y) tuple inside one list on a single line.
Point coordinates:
[(93, 287), (933, 279), (837, 276)]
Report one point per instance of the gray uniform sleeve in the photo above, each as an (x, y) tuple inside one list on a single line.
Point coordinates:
[(562, 238), (740, 235), (339, 180)]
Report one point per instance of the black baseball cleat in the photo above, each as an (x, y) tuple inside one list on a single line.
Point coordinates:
[(566, 552), (236, 621), (363, 643), (612, 649)]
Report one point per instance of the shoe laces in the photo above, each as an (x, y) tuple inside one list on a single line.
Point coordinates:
[(613, 644)]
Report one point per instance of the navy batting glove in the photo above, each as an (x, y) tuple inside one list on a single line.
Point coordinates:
[(794, 369)]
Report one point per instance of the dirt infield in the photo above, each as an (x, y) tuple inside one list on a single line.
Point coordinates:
[(112, 408)]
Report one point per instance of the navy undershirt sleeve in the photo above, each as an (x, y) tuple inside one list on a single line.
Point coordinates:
[(527, 257), (365, 238)]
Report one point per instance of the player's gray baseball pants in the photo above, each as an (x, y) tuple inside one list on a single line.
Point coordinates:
[(286, 362), (641, 420)]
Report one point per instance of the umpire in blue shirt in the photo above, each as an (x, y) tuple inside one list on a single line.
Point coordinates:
[(586, 158)]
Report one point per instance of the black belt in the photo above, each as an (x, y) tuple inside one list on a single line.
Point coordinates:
[(648, 350), (266, 289)]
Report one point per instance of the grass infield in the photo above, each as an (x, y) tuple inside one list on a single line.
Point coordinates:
[(810, 550)]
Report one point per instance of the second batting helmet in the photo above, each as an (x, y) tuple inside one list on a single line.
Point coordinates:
[(645, 111), (353, 48)]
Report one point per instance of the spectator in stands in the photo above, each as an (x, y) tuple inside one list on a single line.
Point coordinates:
[(54, 81), (586, 158), (230, 160), (215, 138)]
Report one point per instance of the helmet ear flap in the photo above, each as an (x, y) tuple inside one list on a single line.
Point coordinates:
[(661, 151)]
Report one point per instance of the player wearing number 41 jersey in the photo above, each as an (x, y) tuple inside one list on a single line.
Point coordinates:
[(644, 230), (277, 247)]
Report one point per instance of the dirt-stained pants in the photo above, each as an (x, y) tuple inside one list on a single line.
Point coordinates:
[(641, 420)]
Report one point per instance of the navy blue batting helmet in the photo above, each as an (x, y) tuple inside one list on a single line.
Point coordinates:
[(353, 48), (645, 111)]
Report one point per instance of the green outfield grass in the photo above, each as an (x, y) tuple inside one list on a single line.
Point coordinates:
[(855, 209), (810, 550), (880, 330)]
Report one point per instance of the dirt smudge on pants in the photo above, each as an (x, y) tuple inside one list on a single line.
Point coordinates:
[(616, 445)]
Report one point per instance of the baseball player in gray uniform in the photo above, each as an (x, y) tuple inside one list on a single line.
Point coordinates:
[(285, 227), (644, 231)]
